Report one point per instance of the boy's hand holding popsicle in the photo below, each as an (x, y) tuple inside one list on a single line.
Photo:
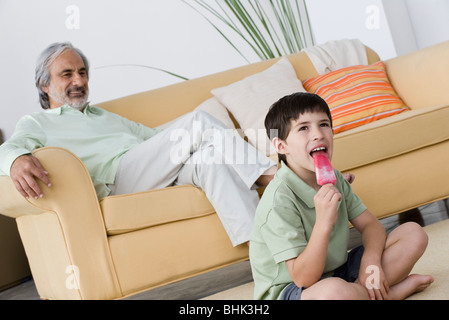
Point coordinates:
[(326, 199)]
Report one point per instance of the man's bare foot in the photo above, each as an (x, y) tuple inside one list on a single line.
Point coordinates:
[(412, 284)]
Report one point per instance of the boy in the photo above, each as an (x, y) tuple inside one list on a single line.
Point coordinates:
[(298, 246)]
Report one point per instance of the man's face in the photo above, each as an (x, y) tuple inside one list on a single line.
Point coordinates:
[(68, 82)]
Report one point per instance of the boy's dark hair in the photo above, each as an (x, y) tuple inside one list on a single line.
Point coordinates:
[(288, 108)]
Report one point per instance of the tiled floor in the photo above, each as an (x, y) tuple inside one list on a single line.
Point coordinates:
[(235, 275)]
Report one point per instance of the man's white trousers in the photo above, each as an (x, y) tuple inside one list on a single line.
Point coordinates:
[(199, 150)]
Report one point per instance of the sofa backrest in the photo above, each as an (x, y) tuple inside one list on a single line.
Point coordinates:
[(155, 107), (421, 78)]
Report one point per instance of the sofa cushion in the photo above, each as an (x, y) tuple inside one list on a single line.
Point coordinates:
[(357, 95), (249, 99), (129, 212), (390, 137)]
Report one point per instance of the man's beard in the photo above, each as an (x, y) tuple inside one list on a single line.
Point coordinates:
[(78, 103)]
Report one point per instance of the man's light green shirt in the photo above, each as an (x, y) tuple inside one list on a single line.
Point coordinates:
[(284, 221), (98, 137)]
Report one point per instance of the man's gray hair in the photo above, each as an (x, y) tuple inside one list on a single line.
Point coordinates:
[(42, 75)]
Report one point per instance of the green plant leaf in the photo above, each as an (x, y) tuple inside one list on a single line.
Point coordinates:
[(143, 66), (271, 28)]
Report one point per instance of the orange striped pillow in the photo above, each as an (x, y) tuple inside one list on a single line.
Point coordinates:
[(357, 95)]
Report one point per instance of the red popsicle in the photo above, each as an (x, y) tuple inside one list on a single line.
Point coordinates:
[(323, 169)]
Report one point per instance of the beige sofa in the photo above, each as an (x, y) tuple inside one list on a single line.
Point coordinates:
[(13, 262), (80, 248)]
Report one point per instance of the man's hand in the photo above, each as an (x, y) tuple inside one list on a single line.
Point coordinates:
[(24, 170)]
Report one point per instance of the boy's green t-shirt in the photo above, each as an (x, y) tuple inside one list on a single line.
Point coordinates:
[(283, 224)]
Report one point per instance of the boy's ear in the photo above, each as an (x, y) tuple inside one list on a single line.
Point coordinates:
[(280, 145)]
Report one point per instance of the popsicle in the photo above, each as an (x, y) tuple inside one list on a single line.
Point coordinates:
[(323, 170)]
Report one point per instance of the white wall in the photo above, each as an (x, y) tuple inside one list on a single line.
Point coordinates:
[(165, 34), (417, 24), (361, 19), (430, 21), (390, 27)]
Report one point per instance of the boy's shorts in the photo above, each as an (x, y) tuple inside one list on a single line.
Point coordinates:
[(348, 272)]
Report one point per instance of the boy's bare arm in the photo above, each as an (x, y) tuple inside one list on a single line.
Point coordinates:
[(308, 267)]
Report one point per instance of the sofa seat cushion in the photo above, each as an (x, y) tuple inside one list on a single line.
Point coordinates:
[(130, 212), (390, 137)]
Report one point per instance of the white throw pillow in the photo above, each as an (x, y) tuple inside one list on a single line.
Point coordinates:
[(250, 99)]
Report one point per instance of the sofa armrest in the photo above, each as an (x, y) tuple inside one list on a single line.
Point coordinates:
[(421, 77), (72, 199), (12, 203)]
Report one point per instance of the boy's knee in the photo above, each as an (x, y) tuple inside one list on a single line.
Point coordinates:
[(417, 232), (339, 289), (415, 235), (349, 291)]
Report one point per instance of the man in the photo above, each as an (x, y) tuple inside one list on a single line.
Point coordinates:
[(125, 157)]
